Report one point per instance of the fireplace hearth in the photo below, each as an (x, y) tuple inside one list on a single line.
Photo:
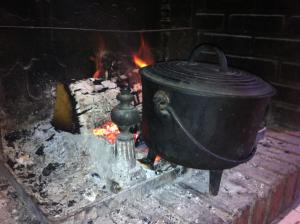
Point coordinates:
[(106, 117)]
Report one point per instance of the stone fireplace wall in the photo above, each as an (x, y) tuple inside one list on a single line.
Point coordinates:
[(260, 36)]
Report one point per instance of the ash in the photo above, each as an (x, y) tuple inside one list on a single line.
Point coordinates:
[(12, 210), (57, 167), (66, 172)]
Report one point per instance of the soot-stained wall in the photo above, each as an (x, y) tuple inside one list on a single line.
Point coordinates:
[(59, 37), (262, 37)]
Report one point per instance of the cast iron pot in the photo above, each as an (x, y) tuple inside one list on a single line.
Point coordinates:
[(202, 115)]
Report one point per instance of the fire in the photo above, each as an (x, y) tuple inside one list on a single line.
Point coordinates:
[(139, 62), (144, 56), (109, 130), (98, 58), (157, 158)]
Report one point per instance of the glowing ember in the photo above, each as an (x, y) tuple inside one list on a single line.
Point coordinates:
[(109, 130), (157, 158), (144, 56)]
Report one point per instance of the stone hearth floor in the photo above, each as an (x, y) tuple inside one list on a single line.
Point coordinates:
[(255, 192)]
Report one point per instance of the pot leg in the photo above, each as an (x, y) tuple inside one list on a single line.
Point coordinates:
[(214, 181), (149, 160)]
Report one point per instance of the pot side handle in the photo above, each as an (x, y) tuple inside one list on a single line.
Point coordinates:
[(202, 147), (163, 109)]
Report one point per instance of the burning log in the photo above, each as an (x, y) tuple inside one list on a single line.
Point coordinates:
[(63, 118), (95, 100)]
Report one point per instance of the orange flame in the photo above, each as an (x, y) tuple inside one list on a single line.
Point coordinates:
[(108, 130), (97, 58), (144, 56), (157, 158), (139, 62)]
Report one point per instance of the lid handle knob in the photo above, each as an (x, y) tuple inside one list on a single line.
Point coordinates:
[(220, 54)]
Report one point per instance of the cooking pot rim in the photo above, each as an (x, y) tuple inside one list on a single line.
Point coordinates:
[(207, 92)]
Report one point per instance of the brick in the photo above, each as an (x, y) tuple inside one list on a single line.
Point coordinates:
[(297, 192), (259, 214), (220, 210), (259, 174), (281, 156), (244, 217), (180, 12), (273, 180), (200, 5), (232, 194), (160, 214), (275, 202), (284, 162), (287, 172), (292, 141), (8, 18), (231, 44), (255, 24), (230, 5), (287, 93), (289, 72), (267, 158), (292, 25), (292, 133), (278, 6), (191, 211), (285, 115), (264, 68), (261, 190), (278, 48), (212, 22)]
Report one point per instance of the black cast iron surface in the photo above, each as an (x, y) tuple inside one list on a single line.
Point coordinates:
[(207, 79), (222, 109)]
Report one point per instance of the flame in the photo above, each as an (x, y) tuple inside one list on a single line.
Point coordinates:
[(97, 74), (157, 158), (97, 59), (144, 56), (108, 130), (139, 62)]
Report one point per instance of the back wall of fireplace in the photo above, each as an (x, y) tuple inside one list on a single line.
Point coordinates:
[(54, 40)]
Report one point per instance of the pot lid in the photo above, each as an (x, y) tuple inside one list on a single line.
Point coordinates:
[(207, 79)]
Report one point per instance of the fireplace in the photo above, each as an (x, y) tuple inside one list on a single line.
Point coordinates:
[(68, 69)]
